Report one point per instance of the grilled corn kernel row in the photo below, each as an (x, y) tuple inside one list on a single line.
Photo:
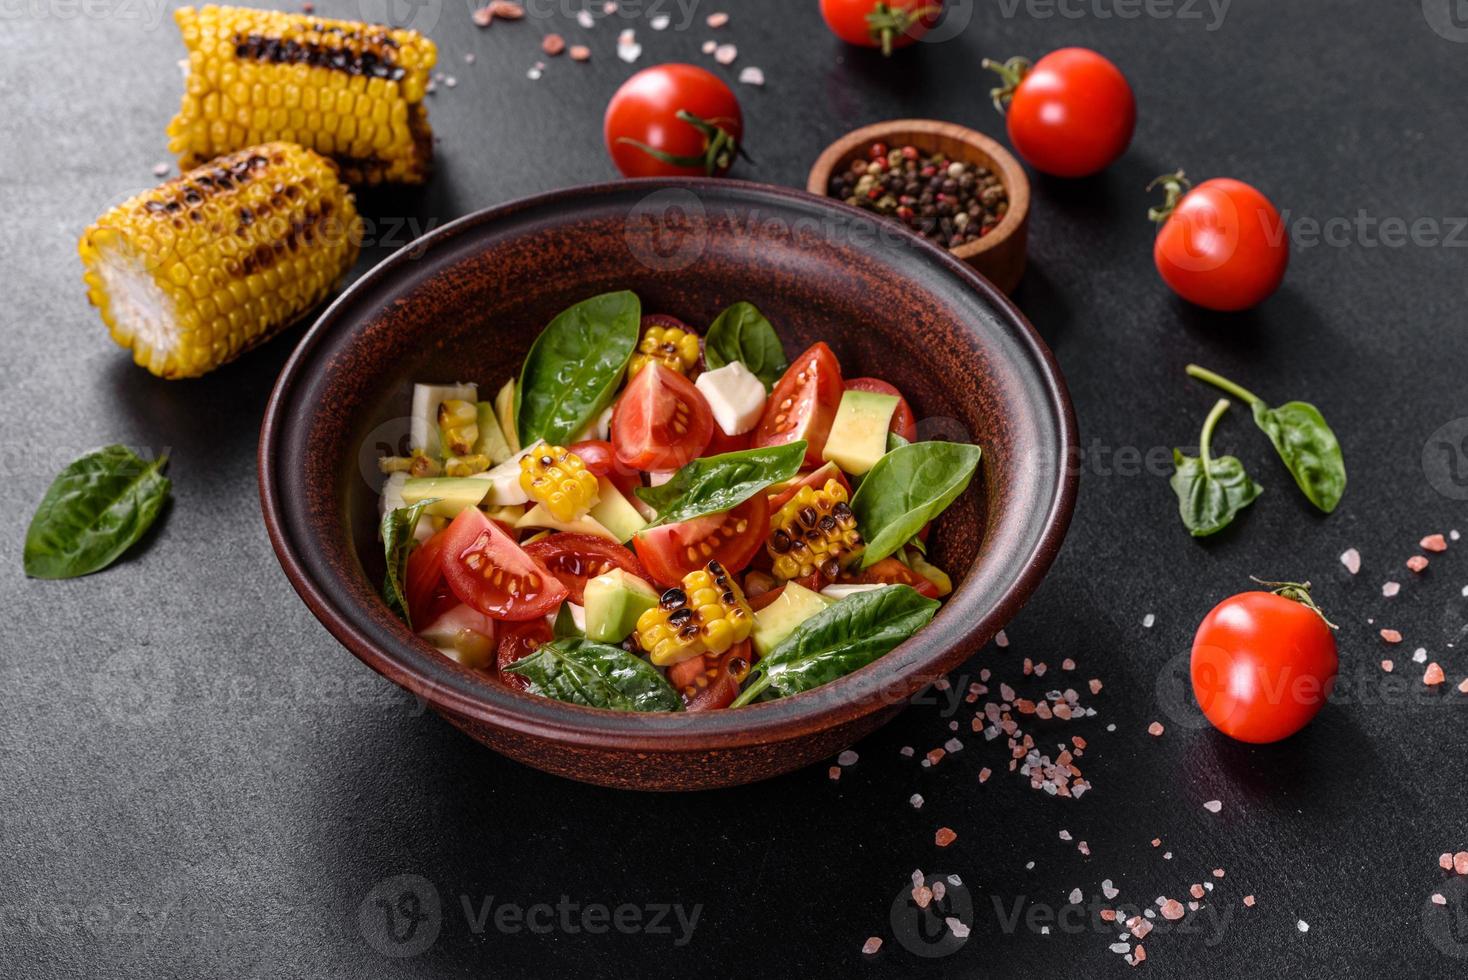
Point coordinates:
[(349, 90), (709, 614), (556, 477), (673, 347), (815, 531), (197, 270), (458, 426)]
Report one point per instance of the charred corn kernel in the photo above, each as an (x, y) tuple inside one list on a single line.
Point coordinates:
[(674, 347), (814, 532), (349, 90), (708, 614), (194, 272), (465, 465), (556, 477), (458, 426), (424, 465)]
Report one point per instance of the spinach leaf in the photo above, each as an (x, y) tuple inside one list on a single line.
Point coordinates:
[(906, 489), (596, 675), (840, 639), (95, 509), (1301, 437), (720, 483), (398, 526), (895, 441), (741, 333), (573, 368), (1210, 491)]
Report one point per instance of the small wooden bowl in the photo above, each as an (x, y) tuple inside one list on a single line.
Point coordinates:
[(1000, 255)]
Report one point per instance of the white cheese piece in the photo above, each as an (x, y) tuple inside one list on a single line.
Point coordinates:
[(657, 478), (505, 489), (735, 395), (839, 592), (578, 615)]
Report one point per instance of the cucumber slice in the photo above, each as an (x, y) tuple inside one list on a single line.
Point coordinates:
[(454, 493)]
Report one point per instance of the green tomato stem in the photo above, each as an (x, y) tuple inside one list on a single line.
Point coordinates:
[(751, 692), (1176, 186), (1296, 592), (1011, 73), (1205, 441), (1219, 381)]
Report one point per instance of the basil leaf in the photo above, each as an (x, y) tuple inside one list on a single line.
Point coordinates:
[(741, 333), (1309, 449), (596, 675), (840, 639), (906, 489), (719, 483), (574, 366), (1210, 491), (95, 509), (398, 526)]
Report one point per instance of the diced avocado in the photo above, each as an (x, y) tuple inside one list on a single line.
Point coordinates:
[(859, 433), (613, 512), (423, 423), (614, 601), (540, 516), (454, 493), (504, 408), (491, 437), (841, 590), (777, 620), (929, 571)]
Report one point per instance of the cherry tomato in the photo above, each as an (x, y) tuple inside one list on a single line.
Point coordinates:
[(904, 423), (673, 121), (576, 559), (518, 640), (672, 551), (661, 420), (486, 569), (712, 680), (721, 443), (885, 24), (1263, 664), (426, 590), (1221, 245), (601, 459), (1071, 114), (803, 404), (817, 478), (890, 571)]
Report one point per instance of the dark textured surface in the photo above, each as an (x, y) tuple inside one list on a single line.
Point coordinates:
[(196, 780)]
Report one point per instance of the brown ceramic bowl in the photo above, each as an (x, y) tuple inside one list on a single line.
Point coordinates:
[(1000, 255), (464, 303)]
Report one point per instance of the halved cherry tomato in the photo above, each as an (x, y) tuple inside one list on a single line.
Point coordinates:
[(904, 423), (885, 24), (815, 478), (673, 121), (803, 404), (519, 640), (427, 591), (661, 420), (711, 681), (721, 443), (601, 459), (890, 571), (576, 559), (760, 600), (487, 570), (672, 551)]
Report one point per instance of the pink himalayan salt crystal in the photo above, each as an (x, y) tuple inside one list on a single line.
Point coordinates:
[(1433, 542), (1434, 675), (1417, 563), (1351, 558), (872, 946), (1391, 636)]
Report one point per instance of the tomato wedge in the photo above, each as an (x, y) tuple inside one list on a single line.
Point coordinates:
[(904, 423), (720, 443), (672, 551), (815, 478), (601, 459), (803, 404), (890, 571), (519, 640), (426, 589), (576, 559), (661, 420), (711, 681), (486, 569)]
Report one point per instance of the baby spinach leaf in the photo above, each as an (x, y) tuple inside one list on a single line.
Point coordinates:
[(397, 542), (573, 368), (906, 489), (741, 333), (1210, 490), (96, 509), (895, 441), (596, 675), (837, 640), (720, 483), (1301, 437)]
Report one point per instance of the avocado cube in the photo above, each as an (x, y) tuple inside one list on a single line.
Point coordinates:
[(778, 620), (859, 433), (614, 601), (613, 512), (453, 493)]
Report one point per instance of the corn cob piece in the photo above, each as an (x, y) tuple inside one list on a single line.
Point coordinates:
[(349, 90), (458, 426), (709, 614), (670, 344), (205, 266), (556, 477), (815, 531)]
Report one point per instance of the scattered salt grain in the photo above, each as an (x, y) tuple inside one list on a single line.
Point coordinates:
[(1084, 848), (1121, 947), (1167, 855), (1391, 636), (1029, 865), (160, 169), (959, 930), (535, 71), (716, 20), (482, 17), (1463, 686), (1067, 664), (1419, 656), (586, 20), (1213, 806), (1433, 542), (1172, 910), (847, 758), (922, 896), (872, 946), (1460, 862), (953, 745), (1109, 890), (1065, 835), (1001, 639), (834, 772), (507, 9), (1076, 897), (609, 8), (1445, 861), (916, 800), (1218, 872), (1351, 558), (939, 890), (1155, 729), (580, 52), (1438, 899), (627, 47), (1148, 620), (1390, 589), (451, 81), (1417, 563), (944, 837), (1387, 666), (906, 751), (710, 46), (553, 44), (986, 772), (1302, 925), (660, 22)]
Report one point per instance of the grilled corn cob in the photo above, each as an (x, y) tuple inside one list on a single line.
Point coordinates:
[(814, 532), (349, 90), (709, 614), (664, 341), (556, 477), (201, 268)]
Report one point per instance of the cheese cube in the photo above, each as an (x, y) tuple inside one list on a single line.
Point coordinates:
[(735, 395)]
